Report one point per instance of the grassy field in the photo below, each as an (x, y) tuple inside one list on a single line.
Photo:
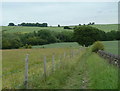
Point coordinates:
[(93, 72), (60, 45), (106, 27), (13, 63), (84, 70), (20, 29), (111, 46)]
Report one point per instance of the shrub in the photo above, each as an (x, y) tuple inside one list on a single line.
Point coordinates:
[(66, 27), (27, 46), (97, 46)]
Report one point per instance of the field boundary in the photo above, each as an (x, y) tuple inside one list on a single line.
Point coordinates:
[(112, 58), (47, 70)]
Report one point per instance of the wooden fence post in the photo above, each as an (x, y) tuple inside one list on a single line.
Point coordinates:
[(64, 54), (45, 72), (53, 63), (60, 62), (26, 72)]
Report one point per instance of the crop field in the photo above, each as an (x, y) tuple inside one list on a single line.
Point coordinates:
[(21, 29)]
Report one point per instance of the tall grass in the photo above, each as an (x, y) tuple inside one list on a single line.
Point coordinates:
[(14, 62), (102, 74), (93, 72)]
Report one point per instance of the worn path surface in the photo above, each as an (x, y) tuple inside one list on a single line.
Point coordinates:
[(93, 72)]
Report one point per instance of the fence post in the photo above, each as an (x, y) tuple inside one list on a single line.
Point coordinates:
[(45, 72), (53, 63), (64, 54), (26, 72), (60, 63), (72, 53)]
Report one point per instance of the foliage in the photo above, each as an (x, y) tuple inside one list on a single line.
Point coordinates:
[(11, 41), (27, 46), (11, 24), (18, 36), (65, 36), (58, 25), (44, 36), (87, 35), (66, 27), (97, 46), (34, 24)]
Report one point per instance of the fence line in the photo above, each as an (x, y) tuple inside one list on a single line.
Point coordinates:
[(45, 72), (112, 59), (60, 63), (53, 63), (26, 72)]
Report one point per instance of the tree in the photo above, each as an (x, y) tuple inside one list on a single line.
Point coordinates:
[(66, 27), (65, 36), (47, 35), (86, 35), (93, 23), (11, 41), (58, 25), (11, 24)]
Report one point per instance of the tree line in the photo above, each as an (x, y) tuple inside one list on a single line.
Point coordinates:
[(17, 40), (30, 24), (84, 35)]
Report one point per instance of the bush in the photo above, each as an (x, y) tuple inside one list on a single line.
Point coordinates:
[(27, 46), (66, 27), (97, 46)]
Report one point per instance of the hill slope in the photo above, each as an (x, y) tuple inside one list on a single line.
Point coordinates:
[(13, 29)]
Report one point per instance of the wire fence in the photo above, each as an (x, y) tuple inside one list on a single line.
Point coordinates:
[(46, 68)]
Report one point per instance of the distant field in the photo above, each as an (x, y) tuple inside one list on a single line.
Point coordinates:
[(106, 27), (111, 46), (60, 45), (21, 29)]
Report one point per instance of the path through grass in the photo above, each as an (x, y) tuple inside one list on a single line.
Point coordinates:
[(93, 72)]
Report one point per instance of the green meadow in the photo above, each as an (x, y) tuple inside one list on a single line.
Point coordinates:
[(110, 46), (106, 27), (24, 29), (84, 70)]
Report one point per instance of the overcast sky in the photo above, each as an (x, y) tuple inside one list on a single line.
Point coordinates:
[(63, 13)]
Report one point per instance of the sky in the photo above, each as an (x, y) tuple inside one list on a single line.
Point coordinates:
[(63, 13)]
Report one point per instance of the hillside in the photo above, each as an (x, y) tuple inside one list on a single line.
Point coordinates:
[(13, 29), (106, 27)]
